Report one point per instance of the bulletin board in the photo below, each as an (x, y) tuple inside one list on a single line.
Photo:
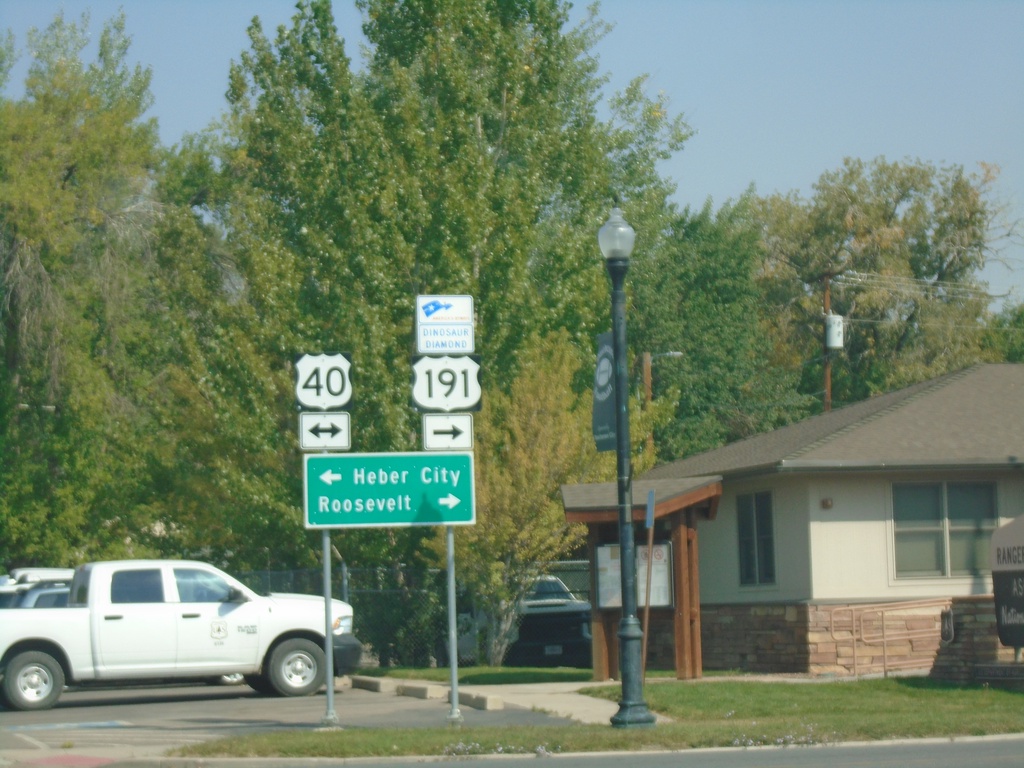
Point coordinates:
[(609, 576)]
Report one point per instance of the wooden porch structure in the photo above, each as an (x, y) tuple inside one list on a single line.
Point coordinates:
[(678, 505)]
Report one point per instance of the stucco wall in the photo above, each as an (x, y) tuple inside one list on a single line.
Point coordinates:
[(833, 539), (719, 547)]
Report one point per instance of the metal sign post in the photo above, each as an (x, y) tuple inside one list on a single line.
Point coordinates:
[(324, 381), (454, 715), (330, 717), (444, 326)]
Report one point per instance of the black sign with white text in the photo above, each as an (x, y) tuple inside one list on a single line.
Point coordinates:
[(1007, 559)]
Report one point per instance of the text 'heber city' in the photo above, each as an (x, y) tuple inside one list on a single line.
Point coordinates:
[(428, 476)]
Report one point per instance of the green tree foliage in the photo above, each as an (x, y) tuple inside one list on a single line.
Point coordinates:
[(77, 307), (902, 244), (490, 111), (697, 310), (529, 442), (1004, 337), (468, 158)]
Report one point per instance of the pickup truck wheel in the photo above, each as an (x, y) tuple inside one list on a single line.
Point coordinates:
[(32, 680), (297, 667), (258, 683)]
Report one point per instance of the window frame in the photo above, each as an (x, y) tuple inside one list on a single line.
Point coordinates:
[(947, 529), (758, 544)]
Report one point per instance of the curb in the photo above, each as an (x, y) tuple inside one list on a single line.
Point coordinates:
[(424, 690)]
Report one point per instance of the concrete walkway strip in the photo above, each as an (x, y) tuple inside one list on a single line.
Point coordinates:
[(426, 690)]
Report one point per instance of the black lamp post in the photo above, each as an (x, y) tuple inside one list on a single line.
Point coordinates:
[(616, 240)]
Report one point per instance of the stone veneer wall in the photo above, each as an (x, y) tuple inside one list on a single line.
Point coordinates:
[(975, 642), (755, 638), (813, 638)]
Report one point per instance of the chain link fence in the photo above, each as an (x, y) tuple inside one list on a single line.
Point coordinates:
[(401, 614)]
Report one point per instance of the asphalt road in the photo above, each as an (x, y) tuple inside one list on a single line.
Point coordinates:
[(141, 722), (135, 727)]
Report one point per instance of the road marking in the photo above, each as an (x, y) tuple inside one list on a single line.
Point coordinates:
[(66, 726)]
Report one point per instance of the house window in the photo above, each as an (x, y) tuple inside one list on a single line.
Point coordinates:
[(756, 538), (942, 529)]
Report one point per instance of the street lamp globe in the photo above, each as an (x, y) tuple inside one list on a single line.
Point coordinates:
[(616, 237)]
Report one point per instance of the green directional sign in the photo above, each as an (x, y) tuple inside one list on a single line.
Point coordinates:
[(373, 490)]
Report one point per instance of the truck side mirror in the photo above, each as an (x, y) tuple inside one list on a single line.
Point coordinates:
[(235, 595)]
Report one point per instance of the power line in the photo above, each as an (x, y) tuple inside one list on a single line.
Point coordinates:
[(914, 285)]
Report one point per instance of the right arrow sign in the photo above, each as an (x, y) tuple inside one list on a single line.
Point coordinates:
[(447, 431)]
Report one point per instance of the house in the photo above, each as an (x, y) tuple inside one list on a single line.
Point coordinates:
[(840, 540)]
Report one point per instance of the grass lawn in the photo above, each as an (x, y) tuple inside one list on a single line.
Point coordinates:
[(713, 712)]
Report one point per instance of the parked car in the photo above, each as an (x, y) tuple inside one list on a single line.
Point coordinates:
[(554, 630), (16, 586), (138, 620), (42, 594), (27, 575), (9, 593)]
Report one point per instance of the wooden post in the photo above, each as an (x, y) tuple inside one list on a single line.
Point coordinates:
[(681, 617), (696, 659)]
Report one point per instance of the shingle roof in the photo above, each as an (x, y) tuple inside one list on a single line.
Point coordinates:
[(670, 495), (974, 417)]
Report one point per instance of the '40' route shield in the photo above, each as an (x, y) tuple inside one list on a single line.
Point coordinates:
[(323, 381)]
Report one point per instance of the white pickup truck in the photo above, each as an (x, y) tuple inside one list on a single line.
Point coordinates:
[(136, 620)]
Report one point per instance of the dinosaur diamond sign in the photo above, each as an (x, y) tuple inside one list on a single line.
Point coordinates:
[(444, 325)]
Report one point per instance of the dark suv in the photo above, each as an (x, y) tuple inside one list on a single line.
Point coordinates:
[(554, 630)]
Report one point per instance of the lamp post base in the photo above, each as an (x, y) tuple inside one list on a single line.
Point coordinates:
[(633, 712), (633, 715)]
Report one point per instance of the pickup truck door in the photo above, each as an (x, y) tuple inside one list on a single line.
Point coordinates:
[(215, 634), (134, 633)]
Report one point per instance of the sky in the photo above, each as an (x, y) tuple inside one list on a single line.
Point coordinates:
[(778, 92)]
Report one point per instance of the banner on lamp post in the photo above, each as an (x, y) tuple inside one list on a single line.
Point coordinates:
[(604, 394)]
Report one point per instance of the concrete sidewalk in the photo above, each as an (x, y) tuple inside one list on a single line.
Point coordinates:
[(559, 699)]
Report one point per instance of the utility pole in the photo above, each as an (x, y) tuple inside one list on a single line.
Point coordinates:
[(648, 360), (824, 342)]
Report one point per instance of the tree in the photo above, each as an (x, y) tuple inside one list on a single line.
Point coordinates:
[(77, 308), (1004, 336), (467, 159), (902, 245), (699, 297), (529, 442)]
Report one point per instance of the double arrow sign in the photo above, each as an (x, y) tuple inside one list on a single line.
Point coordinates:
[(324, 431)]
